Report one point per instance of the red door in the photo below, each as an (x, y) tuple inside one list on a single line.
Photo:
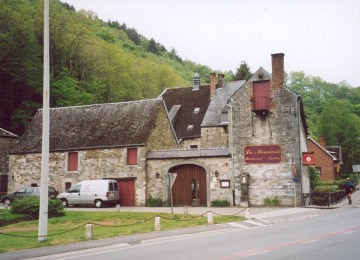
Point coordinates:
[(189, 188), (126, 192)]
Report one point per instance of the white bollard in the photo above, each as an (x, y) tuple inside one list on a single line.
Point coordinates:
[(88, 232), (157, 224), (247, 214), (210, 218), (117, 207)]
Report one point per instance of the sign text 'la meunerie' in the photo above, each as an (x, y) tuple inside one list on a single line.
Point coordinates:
[(262, 154)]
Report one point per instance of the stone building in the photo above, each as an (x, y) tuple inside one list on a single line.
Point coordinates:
[(236, 141), (95, 142), (7, 140)]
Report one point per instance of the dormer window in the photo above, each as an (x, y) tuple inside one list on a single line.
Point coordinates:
[(196, 110), (261, 97)]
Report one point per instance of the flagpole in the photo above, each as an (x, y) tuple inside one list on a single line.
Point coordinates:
[(43, 212)]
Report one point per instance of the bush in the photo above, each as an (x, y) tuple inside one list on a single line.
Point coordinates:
[(155, 202), (327, 188), (220, 203), (31, 206), (272, 202)]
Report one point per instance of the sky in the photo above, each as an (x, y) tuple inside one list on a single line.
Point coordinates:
[(319, 37)]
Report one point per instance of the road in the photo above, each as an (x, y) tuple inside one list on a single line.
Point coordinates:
[(334, 235)]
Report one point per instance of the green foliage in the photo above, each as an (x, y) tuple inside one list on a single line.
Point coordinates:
[(220, 203), (155, 202), (314, 177), (326, 188), (243, 72), (340, 126), (272, 202), (31, 206)]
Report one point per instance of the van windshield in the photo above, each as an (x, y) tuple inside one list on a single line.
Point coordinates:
[(75, 189)]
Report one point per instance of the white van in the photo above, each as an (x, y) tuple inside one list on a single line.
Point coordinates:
[(91, 192)]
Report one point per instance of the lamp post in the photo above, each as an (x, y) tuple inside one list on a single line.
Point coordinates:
[(43, 211)]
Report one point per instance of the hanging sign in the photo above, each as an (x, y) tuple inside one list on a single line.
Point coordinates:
[(262, 154), (308, 158)]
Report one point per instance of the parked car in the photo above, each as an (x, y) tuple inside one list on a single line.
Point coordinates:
[(91, 192), (27, 192)]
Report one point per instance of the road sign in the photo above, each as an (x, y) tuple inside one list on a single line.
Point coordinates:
[(170, 179)]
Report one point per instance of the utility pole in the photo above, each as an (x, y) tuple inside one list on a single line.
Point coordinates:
[(43, 213)]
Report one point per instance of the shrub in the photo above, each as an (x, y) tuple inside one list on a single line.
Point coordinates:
[(272, 202), (220, 203), (326, 188), (155, 202), (314, 177), (31, 206)]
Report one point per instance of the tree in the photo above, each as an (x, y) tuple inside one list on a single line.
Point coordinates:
[(341, 127), (243, 72)]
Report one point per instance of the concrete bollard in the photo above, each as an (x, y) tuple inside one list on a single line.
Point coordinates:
[(117, 207), (186, 210), (210, 218), (157, 224), (88, 232), (247, 213)]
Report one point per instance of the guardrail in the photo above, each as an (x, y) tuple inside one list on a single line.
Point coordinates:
[(323, 198)]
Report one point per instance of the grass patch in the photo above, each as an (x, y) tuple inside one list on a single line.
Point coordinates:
[(71, 227)]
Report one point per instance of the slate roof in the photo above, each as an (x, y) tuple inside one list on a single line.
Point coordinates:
[(218, 103), (7, 134), (93, 126), (184, 101)]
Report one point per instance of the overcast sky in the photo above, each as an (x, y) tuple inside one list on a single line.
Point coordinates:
[(319, 37)]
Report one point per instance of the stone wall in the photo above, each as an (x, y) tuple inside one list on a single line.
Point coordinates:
[(157, 188), (5, 145), (93, 164)]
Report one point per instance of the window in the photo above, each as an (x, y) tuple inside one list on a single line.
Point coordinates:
[(318, 169), (132, 156), (67, 185), (73, 161)]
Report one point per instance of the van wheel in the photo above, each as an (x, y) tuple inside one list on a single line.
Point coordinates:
[(64, 202), (98, 203), (7, 201)]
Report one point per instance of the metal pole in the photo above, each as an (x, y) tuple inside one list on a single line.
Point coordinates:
[(43, 212)]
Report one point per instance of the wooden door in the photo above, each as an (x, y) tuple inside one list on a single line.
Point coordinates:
[(189, 188), (3, 184), (126, 192)]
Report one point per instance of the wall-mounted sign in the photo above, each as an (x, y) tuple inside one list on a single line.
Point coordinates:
[(308, 158), (262, 154), (225, 183)]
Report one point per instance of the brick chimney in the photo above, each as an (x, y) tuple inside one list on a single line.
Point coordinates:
[(212, 84), (277, 64), (322, 141), (220, 81)]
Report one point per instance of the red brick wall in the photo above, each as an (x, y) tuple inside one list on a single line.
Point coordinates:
[(323, 160)]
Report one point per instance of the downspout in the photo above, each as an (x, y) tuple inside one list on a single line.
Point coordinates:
[(232, 148), (299, 116)]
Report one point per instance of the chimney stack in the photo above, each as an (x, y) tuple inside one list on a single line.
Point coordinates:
[(322, 141), (220, 81), (196, 81), (212, 84), (277, 64)]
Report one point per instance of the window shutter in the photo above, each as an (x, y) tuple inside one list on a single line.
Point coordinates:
[(73, 161), (132, 156)]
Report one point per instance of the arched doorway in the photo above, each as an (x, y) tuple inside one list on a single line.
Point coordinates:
[(189, 188)]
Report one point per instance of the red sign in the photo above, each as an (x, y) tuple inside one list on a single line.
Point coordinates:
[(308, 158), (262, 154)]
